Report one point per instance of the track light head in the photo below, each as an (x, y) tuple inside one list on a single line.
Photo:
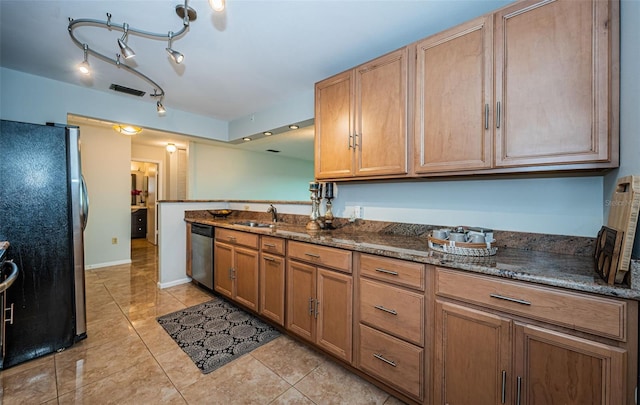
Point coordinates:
[(160, 107), (126, 52), (217, 5), (175, 55), (84, 66)]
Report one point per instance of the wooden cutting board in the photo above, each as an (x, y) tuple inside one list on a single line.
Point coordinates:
[(623, 216), (607, 253)]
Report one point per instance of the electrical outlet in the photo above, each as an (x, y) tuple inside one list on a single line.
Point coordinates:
[(114, 241), (357, 212)]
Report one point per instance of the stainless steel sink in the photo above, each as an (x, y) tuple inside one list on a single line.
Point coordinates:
[(254, 224)]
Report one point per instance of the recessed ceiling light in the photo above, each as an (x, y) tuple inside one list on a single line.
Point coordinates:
[(294, 126), (246, 139), (267, 133)]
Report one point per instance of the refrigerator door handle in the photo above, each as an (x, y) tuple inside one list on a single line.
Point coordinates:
[(84, 202)]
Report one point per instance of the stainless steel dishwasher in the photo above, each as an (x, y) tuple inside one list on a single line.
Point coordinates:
[(202, 254)]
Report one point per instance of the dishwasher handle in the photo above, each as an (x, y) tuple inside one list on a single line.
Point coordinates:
[(204, 230)]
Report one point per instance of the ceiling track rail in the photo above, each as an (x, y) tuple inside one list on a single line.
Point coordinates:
[(184, 11)]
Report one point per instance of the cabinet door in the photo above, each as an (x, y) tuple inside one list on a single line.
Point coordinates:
[(555, 368), (246, 277), (272, 288), (472, 356), (553, 86), (454, 89), (381, 115), (301, 290), (334, 309), (334, 127), (223, 269)]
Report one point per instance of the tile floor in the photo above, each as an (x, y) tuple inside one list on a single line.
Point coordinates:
[(129, 359)]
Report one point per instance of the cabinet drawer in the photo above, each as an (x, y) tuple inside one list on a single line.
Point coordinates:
[(272, 245), (597, 315), (395, 271), (321, 255), (392, 360), (393, 310), (237, 238)]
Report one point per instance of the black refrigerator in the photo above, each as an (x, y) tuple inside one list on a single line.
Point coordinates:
[(43, 212)]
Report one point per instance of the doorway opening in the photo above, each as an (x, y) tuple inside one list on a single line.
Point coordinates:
[(146, 190)]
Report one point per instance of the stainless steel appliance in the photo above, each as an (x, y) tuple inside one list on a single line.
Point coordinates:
[(8, 274), (202, 254), (43, 212)]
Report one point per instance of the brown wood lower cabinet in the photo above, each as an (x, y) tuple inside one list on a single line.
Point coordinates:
[(272, 287), (319, 307), (392, 360), (484, 356), (472, 356), (236, 267)]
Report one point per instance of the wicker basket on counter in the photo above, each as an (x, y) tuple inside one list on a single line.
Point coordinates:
[(462, 248)]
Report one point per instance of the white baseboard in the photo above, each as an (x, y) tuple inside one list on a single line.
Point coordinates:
[(174, 283), (108, 264)]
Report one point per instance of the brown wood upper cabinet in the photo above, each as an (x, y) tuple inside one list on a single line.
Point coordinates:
[(532, 85), (361, 120), (556, 79), (454, 89)]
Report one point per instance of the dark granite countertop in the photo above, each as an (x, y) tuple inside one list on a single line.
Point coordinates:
[(573, 272)]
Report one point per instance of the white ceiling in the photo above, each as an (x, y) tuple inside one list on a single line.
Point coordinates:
[(255, 55)]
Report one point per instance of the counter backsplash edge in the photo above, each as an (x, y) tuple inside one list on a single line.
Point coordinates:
[(561, 244)]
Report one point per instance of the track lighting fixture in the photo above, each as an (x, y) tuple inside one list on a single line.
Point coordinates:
[(84, 67), (186, 14), (160, 108), (125, 51), (217, 5), (175, 55)]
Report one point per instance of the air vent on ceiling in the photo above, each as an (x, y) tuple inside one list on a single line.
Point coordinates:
[(127, 90), (273, 151)]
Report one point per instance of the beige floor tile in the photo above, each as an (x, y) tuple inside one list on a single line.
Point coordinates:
[(108, 331), (292, 397), (151, 313), (155, 337), (288, 358), (181, 370), (31, 383), (243, 381), (144, 383), (330, 383), (103, 312), (77, 368)]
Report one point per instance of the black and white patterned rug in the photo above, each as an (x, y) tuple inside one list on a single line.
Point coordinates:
[(216, 332)]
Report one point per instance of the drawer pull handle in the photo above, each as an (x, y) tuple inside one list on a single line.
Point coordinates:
[(381, 308), (381, 358), (519, 391), (317, 308), (232, 238), (516, 300), (310, 306), (269, 259), (271, 245), (385, 271), (313, 255), (504, 386)]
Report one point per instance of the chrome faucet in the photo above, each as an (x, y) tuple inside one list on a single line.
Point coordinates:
[(274, 213)]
